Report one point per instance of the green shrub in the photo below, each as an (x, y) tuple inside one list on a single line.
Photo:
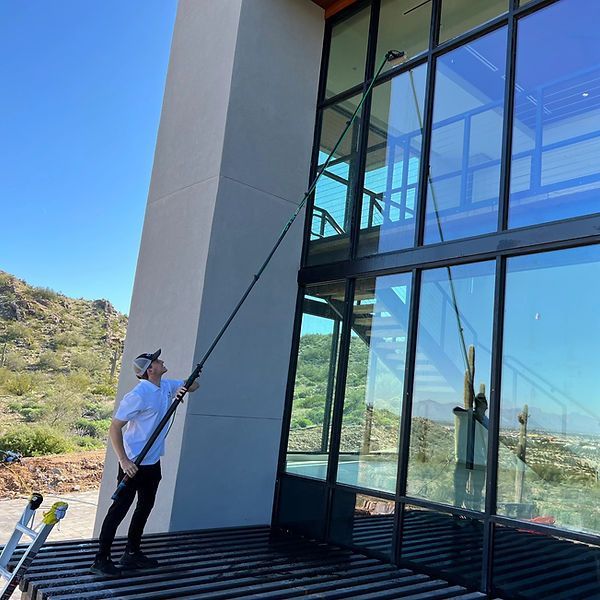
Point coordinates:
[(315, 415), (15, 331), (104, 389), (93, 429), (34, 440), (20, 384), (50, 361), (32, 414), (549, 473), (96, 411), (87, 361), (67, 339), (88, 443), (5, 375), (15, 362), (77, 381), (301, 422), (43, 294), (62, 409), (30, 410)]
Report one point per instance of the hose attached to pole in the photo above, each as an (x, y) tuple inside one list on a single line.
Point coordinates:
[(461, 331), (391, 55)]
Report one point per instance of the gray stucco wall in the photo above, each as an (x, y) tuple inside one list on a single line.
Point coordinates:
[(231, 164)]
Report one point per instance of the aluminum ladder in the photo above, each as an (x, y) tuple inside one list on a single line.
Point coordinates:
[(9, 579)]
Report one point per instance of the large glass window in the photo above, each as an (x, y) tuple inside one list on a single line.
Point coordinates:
[(375, 383), (310, 426), (374, 225), (466, 141), (459, 16), (403, 25), (332, 207), (391, 183), (550, 417), (347, 54), (449, 431), (555, 171)]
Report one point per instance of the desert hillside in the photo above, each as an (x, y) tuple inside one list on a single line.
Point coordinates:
[(59, 364)]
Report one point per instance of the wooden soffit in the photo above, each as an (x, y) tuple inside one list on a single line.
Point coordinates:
[(333, 6)]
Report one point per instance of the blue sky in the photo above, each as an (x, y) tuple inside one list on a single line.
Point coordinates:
[(82, 91)]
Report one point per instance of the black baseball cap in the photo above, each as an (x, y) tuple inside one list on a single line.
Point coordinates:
[(143, 361)]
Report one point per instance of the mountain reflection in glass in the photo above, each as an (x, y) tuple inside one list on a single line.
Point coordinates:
[(310, 425), (549, 456), (449, 426), (375, 383)]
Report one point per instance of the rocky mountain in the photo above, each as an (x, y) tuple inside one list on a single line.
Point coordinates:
[(59, 365), (42, 330)]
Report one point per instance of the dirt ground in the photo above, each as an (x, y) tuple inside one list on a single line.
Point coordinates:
[(59, 473)]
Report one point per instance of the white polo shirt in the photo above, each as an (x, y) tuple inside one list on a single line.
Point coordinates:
[(143, 407)]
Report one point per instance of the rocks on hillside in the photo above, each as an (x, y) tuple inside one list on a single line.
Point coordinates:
[(308, 439)]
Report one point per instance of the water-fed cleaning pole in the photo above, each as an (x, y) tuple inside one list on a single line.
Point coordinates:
[(391, 55)]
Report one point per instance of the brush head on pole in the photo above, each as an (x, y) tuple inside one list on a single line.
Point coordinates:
[(394, 55)]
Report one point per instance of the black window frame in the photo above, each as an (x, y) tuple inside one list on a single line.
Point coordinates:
[(497, 246)]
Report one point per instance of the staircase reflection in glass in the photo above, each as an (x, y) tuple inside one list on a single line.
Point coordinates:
[(333, 197), (391, 181), (375, 383)]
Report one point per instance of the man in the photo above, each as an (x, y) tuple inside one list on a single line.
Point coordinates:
[(141, 410)]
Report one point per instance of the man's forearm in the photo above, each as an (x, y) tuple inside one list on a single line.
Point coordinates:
[(116, 438)]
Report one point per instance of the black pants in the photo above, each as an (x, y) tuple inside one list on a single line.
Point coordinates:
[(145, 483)]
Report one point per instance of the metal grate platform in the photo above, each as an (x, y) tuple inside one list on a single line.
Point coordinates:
[(248, 563), (527, 565)]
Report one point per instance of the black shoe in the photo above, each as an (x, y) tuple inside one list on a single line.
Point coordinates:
[(137, 560), (105, 566)]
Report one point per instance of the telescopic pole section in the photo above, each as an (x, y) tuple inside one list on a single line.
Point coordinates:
[(391, 55)]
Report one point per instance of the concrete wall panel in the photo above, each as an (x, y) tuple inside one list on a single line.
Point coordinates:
[(274, 80), (247, 372), (240, 490), (190, 137), (264, 170)]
